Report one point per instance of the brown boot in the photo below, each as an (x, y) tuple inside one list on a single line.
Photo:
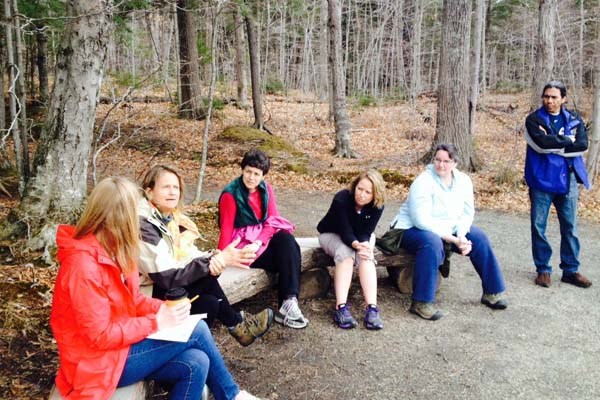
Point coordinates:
[(252, 326), (543, 279), (577, 279)]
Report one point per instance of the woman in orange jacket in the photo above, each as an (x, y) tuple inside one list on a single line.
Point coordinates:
[(101, 321)]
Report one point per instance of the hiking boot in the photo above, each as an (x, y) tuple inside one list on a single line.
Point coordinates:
[(425, 310), (372, 319), (343, 318), (576, 279), (252, 326), (543, 279), (495, 301), (289, 314)]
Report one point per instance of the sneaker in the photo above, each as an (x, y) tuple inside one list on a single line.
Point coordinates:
[(243, 395), (372, 319), (252, 326), (290, 315), (343, 318), (576, 279), (495, 301), (543, 279), (425, 310)]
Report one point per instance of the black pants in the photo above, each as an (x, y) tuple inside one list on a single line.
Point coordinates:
[(282, 256), (211, 301)]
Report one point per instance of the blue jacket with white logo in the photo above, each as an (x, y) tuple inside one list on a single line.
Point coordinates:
[(546, 164)]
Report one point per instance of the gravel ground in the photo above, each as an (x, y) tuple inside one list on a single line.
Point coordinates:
[(545, 345)]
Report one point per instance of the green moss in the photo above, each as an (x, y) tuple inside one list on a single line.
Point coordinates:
[(272, 145), (299, 167), (393, 177)]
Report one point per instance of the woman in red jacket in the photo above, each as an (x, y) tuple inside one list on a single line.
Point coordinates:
[(100, 319)]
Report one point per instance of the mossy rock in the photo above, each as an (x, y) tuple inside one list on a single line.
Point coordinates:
[(275, 147), (392, 177)]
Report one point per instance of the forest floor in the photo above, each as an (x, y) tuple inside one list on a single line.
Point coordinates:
[(545, 344)]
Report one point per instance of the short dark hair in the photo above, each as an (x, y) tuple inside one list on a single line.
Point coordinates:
[(556, 85), (448, 148), (257, 159)]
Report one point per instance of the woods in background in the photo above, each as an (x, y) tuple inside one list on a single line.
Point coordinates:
[(329, 49)]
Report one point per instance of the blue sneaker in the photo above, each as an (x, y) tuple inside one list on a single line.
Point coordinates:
[(372, 319), (344, 318)]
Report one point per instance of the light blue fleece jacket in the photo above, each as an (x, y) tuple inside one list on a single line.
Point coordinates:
[(433, 207)]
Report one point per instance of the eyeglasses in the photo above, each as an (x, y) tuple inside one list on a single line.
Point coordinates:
[(445, 162)]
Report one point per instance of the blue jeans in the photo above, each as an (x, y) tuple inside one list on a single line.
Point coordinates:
[(428, 249), (566, 209), (187, 365)]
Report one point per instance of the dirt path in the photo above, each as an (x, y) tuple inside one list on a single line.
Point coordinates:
[(545, 345)]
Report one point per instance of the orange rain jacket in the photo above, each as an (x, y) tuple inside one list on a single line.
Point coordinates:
[(96, 315)]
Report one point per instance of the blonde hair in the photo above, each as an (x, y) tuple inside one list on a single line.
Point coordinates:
[(149, 180), (111, 215), (378, 186)]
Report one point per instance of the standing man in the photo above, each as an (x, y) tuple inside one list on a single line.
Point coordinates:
[(556, 139)]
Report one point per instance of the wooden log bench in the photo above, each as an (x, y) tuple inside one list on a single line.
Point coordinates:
[(141, 390), (239, 284), (137, 391)]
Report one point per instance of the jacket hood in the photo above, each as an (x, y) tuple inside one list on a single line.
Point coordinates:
[(68, 245)]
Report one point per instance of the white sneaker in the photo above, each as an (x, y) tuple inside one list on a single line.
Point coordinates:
[(243, 395), (290, 315)]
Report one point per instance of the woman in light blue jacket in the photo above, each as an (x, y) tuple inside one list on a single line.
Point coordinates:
[(440, 209)]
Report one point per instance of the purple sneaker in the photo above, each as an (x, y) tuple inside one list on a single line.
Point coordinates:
[(344, 318), (372, 319)]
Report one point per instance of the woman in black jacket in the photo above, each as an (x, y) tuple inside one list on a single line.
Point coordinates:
[(346, 234)]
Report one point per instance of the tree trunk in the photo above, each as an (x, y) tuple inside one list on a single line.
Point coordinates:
[(475, 62), (544, 59), (484, 31), (415, 70), (254, 74), (2, 86), (593, 158), (323, 85), (15, 106), (453, 90), (213, 75), (42, 64), (4, 158), (190, 105), (56, 193), (340, 115), (594, 152), (240, 60)]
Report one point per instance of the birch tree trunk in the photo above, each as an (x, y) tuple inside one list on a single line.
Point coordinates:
[(240, 60), (544, 59), (475, 62), (453, 90), (190, 105), (56, 193), (340, 114)]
